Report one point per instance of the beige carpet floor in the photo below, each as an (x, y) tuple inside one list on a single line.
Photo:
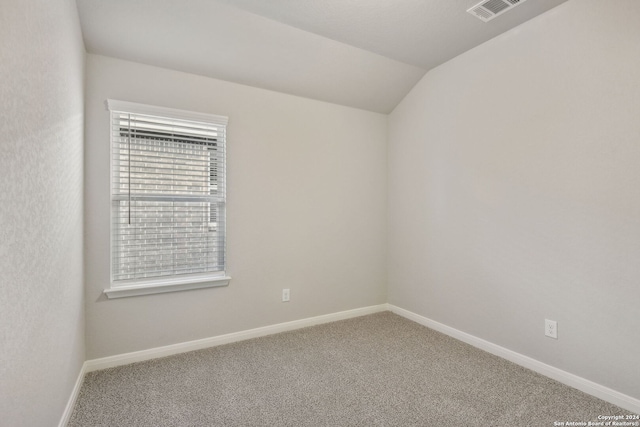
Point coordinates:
[(376, 370)]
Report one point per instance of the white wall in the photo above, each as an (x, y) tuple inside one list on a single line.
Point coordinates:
[(41, 172), (514, 194), (306, 210)]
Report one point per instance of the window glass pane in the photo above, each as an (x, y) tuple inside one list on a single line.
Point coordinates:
[(168, 197)]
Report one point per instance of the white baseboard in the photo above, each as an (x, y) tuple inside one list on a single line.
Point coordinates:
[(622, 400), (153, 353), (68, 410)]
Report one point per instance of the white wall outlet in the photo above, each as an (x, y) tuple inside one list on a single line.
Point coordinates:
[(285, 295), (551, 328)]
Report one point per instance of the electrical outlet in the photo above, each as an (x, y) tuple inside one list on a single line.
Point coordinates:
[(551, 328), (285, 295)]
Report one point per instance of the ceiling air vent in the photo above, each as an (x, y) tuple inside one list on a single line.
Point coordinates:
[(489, 9)]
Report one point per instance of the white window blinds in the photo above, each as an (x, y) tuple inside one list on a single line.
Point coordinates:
[(168, 193)]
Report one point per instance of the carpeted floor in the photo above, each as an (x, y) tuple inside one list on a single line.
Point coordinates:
[(376, 370)]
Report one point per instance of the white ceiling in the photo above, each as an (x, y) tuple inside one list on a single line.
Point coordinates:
[(361, 53)]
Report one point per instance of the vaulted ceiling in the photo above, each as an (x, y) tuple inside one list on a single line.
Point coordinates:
[(361, 53)]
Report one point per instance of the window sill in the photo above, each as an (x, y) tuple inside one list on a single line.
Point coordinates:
[(166, 285)]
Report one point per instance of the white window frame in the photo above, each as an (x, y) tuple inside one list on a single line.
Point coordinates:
[(135, 287)]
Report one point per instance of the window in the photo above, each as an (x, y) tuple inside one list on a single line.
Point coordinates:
[(167, 200)]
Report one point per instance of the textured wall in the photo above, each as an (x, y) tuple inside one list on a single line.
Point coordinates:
[(306, 210), (514, 191), (41, 164)]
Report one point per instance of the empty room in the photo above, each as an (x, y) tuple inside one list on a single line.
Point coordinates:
[(320, 213)]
